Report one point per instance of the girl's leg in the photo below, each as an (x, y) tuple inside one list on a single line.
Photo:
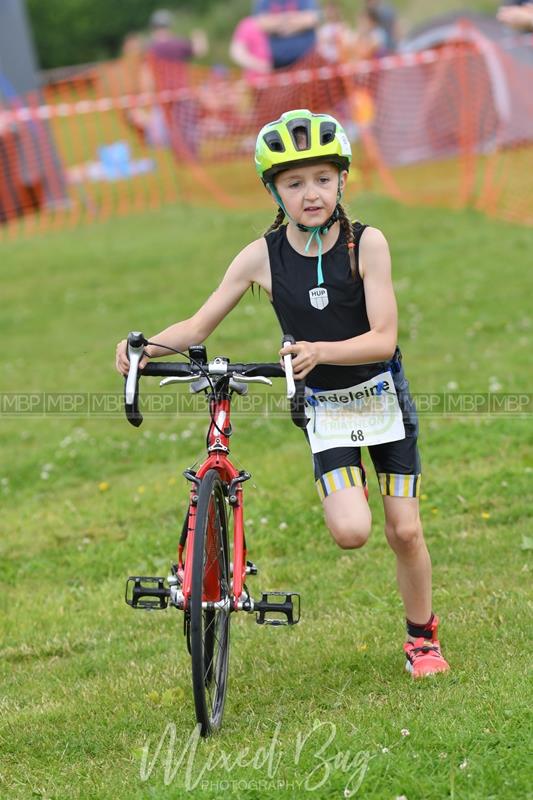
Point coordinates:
[(403, 530), (348, 516), (340, 481), (413, 568)]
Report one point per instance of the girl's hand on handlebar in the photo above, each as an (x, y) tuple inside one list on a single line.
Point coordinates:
[(122, 362), (304, 357)]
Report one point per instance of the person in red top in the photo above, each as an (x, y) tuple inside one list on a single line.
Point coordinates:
[(165, 44), (165, 68)]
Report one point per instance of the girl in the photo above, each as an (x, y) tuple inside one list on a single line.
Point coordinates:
[(330, 285)]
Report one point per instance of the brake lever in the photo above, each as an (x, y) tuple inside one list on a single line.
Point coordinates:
[(295, 389), (136, 342), (287, 364), (252, 378), (134, 357), (178, 379)]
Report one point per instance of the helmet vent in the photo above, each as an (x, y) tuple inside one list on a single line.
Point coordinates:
[(300, 131), (274, 142), (300, 138), (327, 132)]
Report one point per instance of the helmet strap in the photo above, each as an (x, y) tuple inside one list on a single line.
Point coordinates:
[(316, 231)]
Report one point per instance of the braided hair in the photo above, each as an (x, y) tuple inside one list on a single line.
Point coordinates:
[(347, 228), (280, 216)]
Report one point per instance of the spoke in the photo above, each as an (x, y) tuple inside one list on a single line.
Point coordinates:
[(216, 665), (213, 666), (216, 641)]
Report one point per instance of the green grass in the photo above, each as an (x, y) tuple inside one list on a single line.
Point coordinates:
[(86, 683)]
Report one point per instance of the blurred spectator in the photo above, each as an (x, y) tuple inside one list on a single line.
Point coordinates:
[(165, 68), (136, 77), (250, 49), (370, 40), (518, 15), (165, 44), (132, 57), (291, 28), (334, 36), (386, 19)]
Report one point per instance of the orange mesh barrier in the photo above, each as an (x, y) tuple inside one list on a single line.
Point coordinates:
[(450, 126)]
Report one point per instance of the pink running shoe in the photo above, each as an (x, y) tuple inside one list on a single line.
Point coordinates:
[(424, 656)]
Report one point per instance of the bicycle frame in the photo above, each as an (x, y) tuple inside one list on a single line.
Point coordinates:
[(218, 449)]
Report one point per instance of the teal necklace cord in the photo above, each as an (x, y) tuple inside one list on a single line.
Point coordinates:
[(316, 232)]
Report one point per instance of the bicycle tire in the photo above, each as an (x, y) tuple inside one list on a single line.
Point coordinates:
[(209, 628)]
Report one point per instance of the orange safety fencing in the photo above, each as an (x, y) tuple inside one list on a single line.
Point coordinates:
[(451, 126)]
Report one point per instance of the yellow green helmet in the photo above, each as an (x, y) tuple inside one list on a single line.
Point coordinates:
[(300, 137)]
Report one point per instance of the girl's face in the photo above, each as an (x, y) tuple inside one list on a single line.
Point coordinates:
[(309, 193)]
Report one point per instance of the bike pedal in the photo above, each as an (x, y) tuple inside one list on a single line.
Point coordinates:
[(287, 606), (139, 587)]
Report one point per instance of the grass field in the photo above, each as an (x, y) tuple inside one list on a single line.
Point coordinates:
[(87, 501)]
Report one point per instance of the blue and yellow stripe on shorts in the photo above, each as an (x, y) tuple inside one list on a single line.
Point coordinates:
[(340, 478), (399, 485), (391, 485)]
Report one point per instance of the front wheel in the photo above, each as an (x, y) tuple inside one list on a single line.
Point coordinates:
[(210, 604)]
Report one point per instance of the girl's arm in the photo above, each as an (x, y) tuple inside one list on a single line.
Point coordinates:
[(240, 275), (379, 343)]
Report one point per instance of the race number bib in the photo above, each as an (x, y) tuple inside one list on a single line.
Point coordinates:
[(361, 415)]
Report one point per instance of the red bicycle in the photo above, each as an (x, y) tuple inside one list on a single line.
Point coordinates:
[(208, 581)]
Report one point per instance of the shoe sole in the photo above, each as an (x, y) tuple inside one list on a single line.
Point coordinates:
[(409, 669)]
